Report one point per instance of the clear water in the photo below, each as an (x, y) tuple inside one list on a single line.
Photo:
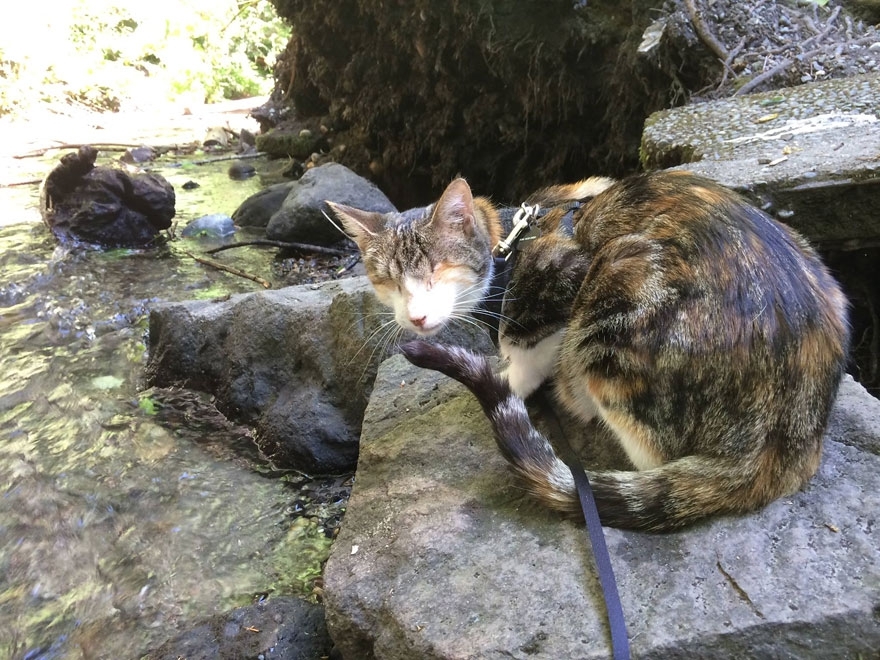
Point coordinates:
[(126, 515)]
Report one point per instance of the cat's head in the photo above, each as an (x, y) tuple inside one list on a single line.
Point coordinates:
[(429, 265)]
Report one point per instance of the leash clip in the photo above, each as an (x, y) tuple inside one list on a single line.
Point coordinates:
[(522, 222)]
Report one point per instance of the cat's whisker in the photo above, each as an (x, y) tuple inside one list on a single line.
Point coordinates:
[(359, 318), (381, 331), (333, 222)]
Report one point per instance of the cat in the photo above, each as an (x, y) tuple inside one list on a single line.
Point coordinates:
[(708, 337)]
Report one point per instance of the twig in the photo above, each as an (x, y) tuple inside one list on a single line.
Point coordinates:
[(704, 32), (728, 63), (829, 25), (351, 264), (229, 269), (304, 247), (29, 182), (784, 64), (764, 77), (218, 159)]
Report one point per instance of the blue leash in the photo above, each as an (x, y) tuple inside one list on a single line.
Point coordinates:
[(616, 621)]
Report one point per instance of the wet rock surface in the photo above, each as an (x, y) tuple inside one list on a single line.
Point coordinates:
[(278, 628), (105, 205), (298, 363), (442, 556)]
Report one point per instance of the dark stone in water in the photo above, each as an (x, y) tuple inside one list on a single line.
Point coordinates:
[(282, 627), (240, 170), (257, 209), (104, 205), (137, 155)]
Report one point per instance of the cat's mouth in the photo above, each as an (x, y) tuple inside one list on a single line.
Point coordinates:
[(426, 330)]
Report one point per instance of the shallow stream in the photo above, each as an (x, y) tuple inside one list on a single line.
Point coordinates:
[(127, 514)]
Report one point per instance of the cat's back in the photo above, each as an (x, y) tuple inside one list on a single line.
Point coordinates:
[(676, 254)]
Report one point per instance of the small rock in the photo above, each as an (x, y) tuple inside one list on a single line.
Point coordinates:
[(256, 210), (137, 155), (215, 225), (281, 628), (240, 170), (247, 138)]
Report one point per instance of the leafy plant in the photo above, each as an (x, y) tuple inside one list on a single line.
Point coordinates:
[(112, 54)]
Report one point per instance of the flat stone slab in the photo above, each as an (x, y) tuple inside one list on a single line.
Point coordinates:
[(440, 554), (808, 154)]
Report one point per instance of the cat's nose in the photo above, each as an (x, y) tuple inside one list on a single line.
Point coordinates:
[(418, 322)]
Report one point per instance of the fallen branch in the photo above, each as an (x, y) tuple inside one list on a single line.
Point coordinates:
[(218, 159), (229, 269), (109, 146), (304, 247), (704, 32), (14, 184)]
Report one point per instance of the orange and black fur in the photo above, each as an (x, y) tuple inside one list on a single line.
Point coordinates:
[(707, 336)]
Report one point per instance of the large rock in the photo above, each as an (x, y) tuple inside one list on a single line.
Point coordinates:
[(807, 154), (301, 216), (442, 556), (105, 205), (258, 209), (298, 363)]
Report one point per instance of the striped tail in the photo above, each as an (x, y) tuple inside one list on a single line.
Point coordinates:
[(674, 495)]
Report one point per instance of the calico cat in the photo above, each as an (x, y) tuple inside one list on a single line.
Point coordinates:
[(707, 336)]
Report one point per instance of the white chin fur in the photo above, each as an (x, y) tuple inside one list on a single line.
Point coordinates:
[(435, 305), (528, 368)]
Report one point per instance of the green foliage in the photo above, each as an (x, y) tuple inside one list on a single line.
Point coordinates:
[(112, 54)]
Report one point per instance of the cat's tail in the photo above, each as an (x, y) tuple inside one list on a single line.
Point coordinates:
[(674, 495)]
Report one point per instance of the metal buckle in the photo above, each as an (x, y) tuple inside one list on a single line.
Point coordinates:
[(522, 222)]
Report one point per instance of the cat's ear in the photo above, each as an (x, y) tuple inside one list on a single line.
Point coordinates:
[(455, 208), (361, 226)]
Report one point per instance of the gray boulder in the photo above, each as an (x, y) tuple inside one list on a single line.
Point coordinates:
[(442, 556), (257, 209), (297, 363), (301, 216)]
